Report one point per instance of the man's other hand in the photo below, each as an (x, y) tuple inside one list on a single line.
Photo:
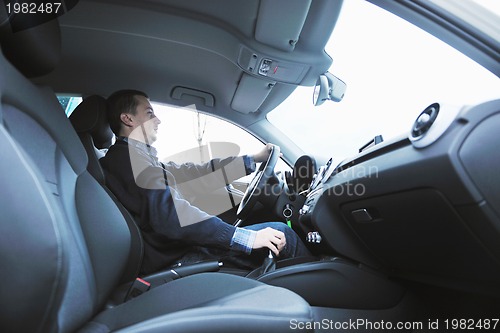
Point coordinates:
[(273, 239)]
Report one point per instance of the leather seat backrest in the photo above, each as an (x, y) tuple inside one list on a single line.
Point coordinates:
[(97, 241), (89, 120), (31, 284)]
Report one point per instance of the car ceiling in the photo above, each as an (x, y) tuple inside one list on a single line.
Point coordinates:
[(204, 48), (207, 48)]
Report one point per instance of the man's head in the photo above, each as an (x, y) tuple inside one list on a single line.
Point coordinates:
[(130, 114)]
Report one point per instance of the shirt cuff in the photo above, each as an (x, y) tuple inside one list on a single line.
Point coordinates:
[(243, 240), (250, 165)]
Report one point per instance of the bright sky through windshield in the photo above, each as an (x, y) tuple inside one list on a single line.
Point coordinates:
[(393, 70)]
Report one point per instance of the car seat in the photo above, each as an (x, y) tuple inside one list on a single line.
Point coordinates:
[(64, 243), (89, 120), (90, 123)]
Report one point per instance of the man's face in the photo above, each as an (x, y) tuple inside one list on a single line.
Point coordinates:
[(145, 123)]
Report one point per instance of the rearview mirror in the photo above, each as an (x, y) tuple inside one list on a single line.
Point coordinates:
[(328, 87)]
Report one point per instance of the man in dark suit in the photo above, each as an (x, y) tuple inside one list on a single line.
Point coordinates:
[(173, 229)]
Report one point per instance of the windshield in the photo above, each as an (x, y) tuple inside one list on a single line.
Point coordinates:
[(393, 71)]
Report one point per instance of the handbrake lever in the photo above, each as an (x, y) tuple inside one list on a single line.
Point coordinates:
[(182, 271), (141, 285)]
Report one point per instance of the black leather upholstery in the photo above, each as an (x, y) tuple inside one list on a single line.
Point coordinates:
[(65, 244), (208, 302), (31, 282), (89, 120), (90, 117)]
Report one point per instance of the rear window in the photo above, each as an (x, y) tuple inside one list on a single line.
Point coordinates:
[(69, 103)]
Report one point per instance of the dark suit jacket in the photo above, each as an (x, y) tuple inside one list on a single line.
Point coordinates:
[(170, 225)]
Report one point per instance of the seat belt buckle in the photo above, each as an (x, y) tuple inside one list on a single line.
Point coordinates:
[(138, 287)]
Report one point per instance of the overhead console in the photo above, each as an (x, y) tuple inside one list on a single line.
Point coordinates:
[(288, 48), (267, 67), (425, 207), (260, 76)]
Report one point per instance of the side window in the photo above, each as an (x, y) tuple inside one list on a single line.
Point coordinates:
[(187, 135)]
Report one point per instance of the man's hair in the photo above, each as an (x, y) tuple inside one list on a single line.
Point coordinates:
[(122, 101)]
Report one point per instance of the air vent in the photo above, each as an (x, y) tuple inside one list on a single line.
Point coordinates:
[(432, 123), (425, 121)]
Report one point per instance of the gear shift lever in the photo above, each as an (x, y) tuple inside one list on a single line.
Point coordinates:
[(267, 266)]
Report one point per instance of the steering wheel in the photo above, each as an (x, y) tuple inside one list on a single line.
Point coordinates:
[(256, 187)]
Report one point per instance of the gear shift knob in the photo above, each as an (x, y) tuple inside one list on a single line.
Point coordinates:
[(267, 266)]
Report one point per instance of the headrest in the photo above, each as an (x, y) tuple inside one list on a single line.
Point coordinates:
[(34, 51), (90, 117)]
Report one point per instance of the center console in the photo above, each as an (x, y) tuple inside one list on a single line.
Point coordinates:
[(335, 283)]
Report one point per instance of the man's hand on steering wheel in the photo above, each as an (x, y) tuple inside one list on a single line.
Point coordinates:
[(263, 155)]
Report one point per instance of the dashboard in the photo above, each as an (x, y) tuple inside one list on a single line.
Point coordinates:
[(422, 207)]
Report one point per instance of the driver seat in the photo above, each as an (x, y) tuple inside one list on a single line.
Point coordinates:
[(65, 243), (90, 123), (89, 119)]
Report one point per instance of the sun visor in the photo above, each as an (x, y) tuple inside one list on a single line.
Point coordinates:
[(251, 93), (280, 22)]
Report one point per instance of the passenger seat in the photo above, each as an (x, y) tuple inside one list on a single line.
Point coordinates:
[(64, 243)]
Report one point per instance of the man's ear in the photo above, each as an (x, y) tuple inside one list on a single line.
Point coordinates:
[(126, 119)]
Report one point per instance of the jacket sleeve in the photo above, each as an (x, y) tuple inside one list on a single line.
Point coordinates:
[(194, 179), (177, 219)]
